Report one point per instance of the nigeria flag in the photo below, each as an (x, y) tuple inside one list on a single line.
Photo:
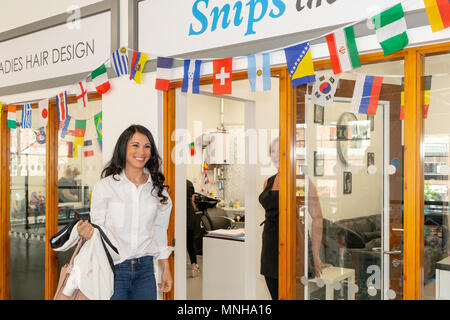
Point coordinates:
[(390, 26)]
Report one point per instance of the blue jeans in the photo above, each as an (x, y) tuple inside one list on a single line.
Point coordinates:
[(135, 280)]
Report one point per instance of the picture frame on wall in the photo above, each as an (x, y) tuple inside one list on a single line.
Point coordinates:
[(347, 182), (319, 112), (341, 132), (370, 159), (318, 164)]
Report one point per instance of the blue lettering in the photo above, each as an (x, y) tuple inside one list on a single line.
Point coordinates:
[(200, 17), (281, 8), (225, 21), (251, 15), (222, 16), (237, 15)]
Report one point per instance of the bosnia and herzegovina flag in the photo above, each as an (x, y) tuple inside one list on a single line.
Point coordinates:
[(300, 64), (366, 94), (438, 12), (137, 65)]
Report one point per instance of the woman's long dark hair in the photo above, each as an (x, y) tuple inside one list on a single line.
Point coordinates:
[(118, 160)]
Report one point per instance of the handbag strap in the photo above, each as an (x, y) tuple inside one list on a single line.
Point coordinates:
[(80, 242)]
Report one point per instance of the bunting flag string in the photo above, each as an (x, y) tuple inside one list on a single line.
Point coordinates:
[(389, 26)]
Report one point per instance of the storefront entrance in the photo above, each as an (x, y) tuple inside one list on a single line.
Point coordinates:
[(365, 174)]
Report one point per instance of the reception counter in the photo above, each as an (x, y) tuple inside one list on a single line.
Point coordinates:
[(223, 268), (443, 279)]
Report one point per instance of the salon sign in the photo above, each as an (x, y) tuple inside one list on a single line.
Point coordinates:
[(195, 25), (65, 49)]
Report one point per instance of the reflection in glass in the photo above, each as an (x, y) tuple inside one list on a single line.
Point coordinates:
[(27, 210), (79, 165), (436, 147), (347, 157)]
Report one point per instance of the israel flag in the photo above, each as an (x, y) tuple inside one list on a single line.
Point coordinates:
[(26, 115), (259, 72), (120, 62), (191, 78)]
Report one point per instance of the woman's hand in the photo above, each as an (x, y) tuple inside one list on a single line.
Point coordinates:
[(166, 278), (319, 266), (85, 229)]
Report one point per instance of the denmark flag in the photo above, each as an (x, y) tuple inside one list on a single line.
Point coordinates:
[(222, 70)]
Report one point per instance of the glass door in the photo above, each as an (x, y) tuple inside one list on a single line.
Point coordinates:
[(349, 167), (27, 209), (222, 156), (436, 148)]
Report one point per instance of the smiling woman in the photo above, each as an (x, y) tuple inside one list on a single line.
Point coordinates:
[(133, 207)]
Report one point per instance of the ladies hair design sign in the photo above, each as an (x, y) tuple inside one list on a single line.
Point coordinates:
[(56, 51)]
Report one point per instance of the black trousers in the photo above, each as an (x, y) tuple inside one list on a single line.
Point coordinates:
[(191, 245), (272, 285)]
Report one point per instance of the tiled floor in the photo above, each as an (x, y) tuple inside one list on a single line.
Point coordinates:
[(194, 285)]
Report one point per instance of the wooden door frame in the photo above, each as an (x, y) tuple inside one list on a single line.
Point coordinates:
[(413, 190), (288, 240), (414, 232), (4, 197), (51, 194), (285, 104)]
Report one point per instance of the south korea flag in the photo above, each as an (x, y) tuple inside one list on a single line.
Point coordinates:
[(324, 88)]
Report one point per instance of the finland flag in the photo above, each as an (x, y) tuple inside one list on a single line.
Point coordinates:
[(259, 72)]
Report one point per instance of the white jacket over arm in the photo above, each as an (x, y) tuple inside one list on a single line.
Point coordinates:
[(93, 267)]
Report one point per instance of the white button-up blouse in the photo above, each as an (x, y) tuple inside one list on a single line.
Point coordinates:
[(132, 217)]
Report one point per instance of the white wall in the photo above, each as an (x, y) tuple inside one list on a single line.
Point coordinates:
[(17, 13), (204, 111)]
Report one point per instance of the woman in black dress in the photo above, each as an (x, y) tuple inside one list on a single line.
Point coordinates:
[(269, 251)]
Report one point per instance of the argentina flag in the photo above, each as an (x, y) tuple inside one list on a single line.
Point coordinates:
[(26, 115), (120, 62), (191, 78), (259, 72)]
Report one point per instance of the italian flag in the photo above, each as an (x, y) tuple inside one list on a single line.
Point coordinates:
[(343, 50), (12, 117), (390, 26), (100, 79)]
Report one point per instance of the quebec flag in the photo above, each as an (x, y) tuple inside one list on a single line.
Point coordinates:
[(300, 64), (259, 72), (191, 78)]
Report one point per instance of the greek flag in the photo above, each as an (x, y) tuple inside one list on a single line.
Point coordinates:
[(120, 62), (26, 115)]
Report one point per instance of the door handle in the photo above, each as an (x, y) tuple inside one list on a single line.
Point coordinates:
[(394, 252)]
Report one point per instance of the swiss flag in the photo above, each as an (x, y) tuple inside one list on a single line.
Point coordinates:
[(222, 71)]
